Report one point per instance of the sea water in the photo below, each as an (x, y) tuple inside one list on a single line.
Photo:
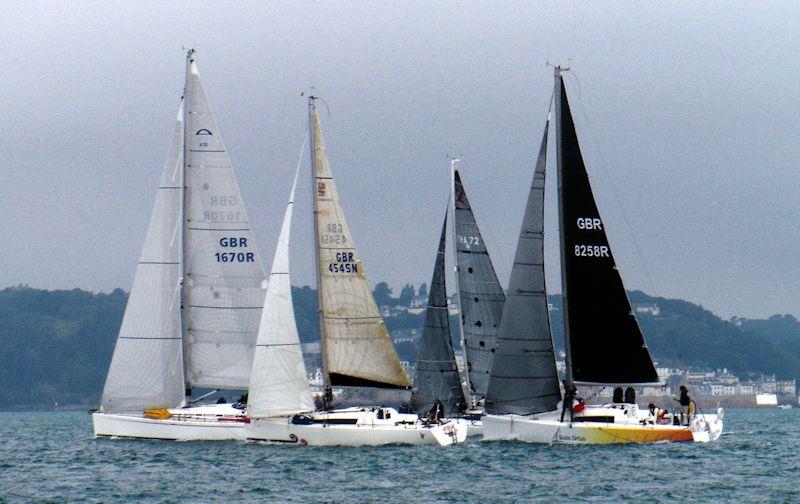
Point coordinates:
[(54, 457)]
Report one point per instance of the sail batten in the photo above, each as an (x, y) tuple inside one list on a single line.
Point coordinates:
[(604, 342), (437, 377), (146, 369), (524, 379), (223, 276), (480, 296), (357, 349)]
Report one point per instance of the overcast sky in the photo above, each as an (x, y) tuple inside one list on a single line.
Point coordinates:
[(687, 114)]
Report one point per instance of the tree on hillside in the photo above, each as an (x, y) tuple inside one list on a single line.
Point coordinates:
[(406, 295), (383, 295)]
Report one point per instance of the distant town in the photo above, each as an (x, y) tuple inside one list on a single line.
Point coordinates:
[(709, 386)]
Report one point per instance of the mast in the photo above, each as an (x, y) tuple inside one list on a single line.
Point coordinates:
[(454, 235), (327, 394), (185, 157), (562, 228)]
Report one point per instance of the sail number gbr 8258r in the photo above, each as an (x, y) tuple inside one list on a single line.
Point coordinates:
[(234, 256), (582, 250)]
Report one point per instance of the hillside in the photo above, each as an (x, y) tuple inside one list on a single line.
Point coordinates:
[(55, 346)]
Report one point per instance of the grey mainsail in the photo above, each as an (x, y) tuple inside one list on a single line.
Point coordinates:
[(223, 277), (437, 376), (480, 294), (524, 379), (147, 367)]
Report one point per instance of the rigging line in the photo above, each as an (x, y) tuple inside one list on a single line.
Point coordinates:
[(615, 191)]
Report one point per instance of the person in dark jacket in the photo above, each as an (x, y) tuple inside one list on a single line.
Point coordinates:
[(617, 398), (630, 395), (685, 401)]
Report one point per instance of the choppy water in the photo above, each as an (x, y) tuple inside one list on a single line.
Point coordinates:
[(52, 456)]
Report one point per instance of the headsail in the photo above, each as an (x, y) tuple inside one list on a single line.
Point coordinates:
[(604, 342), (437, 376), (222, 268), (147, 367), (278, 383), (524, 379), (357, 348), (480, 294)]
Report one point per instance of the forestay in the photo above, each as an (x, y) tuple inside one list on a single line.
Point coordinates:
[(278, 382), (524, 378), (480, 294), (222, 270), (146, 369), (603, 337), (437, 376), (357, 348)]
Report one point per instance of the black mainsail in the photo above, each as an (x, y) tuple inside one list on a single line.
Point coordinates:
[(603, 340), (481, 297), (524, 379), (437, 376)]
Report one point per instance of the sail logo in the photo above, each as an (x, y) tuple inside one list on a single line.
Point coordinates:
[(321, 189), (204, 131)]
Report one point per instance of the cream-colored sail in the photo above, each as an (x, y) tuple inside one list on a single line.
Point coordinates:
[(358, 350)]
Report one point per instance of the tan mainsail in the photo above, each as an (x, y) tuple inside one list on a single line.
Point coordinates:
[(358, 350)]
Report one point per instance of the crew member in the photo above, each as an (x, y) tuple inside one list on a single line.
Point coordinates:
[(685, 401)]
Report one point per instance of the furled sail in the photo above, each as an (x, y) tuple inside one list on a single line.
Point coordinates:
[(278, 382), (480, 294), (524, 379), (603, 337), (222, 268), (147, 367), (437, 376), (358, 350)]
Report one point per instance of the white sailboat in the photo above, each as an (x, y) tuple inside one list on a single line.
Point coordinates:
[(604, 345), (192, 316), (356, 347)]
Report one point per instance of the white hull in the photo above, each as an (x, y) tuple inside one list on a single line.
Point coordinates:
[(625, 424), (474, 427), (202, 423), (366, 429)]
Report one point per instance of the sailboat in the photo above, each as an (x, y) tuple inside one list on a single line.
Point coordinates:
[(437, 382), (192, 317), (357, 350), (603, 342), (480, 300)]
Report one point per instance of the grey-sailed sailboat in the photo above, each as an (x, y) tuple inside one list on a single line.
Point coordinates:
[(193, 313), (357, 350), (604, 344)]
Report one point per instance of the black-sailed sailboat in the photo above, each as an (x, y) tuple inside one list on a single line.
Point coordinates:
[(603, 342)]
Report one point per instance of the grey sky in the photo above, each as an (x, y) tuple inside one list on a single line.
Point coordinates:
[(687, 116)]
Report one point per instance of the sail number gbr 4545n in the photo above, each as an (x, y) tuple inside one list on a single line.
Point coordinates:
[(590, 224), (234, 256)]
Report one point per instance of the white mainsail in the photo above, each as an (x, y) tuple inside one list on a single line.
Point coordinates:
[(278, 383), (147, 369), (357, 348), (222, 269)]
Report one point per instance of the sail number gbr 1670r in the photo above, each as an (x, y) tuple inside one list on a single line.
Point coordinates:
[(234, 256)]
